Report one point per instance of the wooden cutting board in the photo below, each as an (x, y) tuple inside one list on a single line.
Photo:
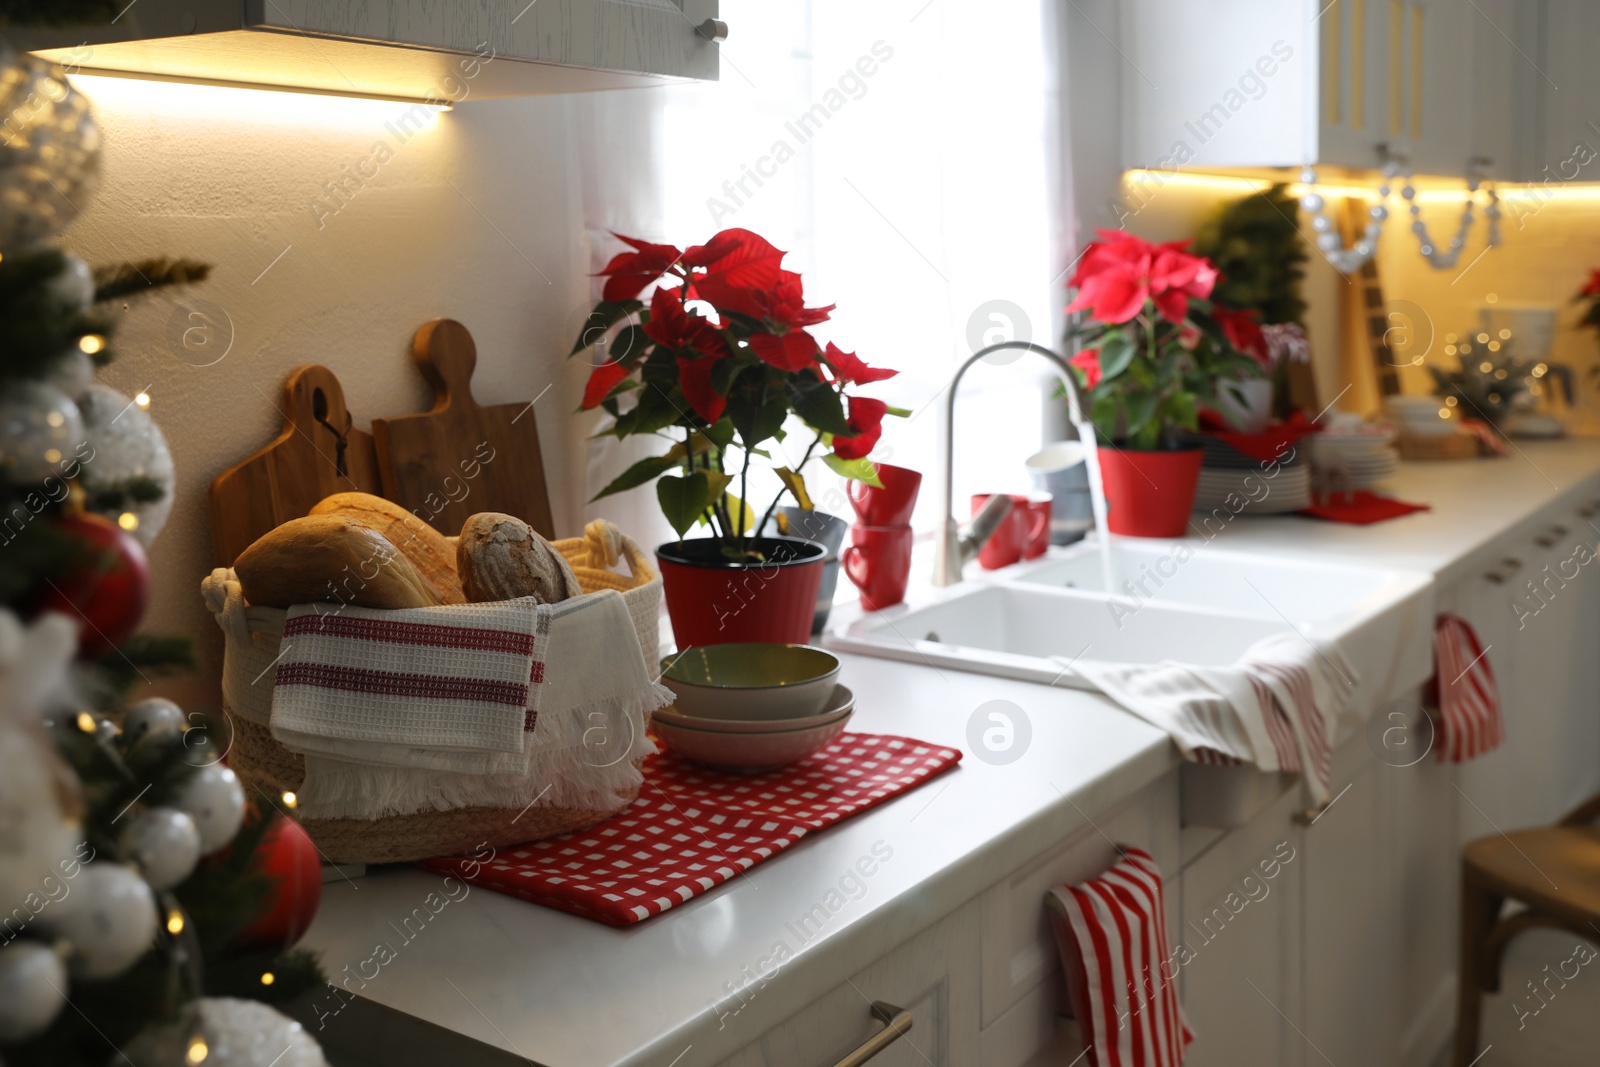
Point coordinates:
[(460, 458), (318, 453)]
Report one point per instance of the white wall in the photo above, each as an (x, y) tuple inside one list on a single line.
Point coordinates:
[(228, 177)]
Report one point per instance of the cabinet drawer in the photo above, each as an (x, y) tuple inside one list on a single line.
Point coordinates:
[(1018, 950), (934, 976)]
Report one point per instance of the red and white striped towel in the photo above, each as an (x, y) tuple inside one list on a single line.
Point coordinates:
[(1470, 723), (1121, 978), (448, 688), (1277, 707)]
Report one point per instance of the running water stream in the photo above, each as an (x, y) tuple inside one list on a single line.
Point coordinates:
[(1097, 501)]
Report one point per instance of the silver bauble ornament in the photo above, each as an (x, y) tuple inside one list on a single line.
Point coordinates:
[(164, 844), (108, 920), (33, 988), (72, 373), (40, 427), (38, 817), (50, 156), (151, 717), (127, 444), (215, 798), (233, 1033), (73, 287)]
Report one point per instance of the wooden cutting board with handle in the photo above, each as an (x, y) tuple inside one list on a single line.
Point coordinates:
[(319, 452), (461, 458)]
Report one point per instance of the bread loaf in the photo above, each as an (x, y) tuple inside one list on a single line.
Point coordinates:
[(429, 551), (500, 557), (332, 559)]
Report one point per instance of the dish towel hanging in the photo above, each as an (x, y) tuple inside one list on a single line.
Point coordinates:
[(1464, 691), (1276, 707), (1121, 980)]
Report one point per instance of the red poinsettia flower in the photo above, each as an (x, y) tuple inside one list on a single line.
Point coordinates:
[(792, 351), (780, 304), (1243, 333), (1120, 272), (1592, 286), (866, 426), (846, 367), (629, 272), (601, 381), (737, 257), (1088, 362), (675, 327), (694, 378), (1175, 276)]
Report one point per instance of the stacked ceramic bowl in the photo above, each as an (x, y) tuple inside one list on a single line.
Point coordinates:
[(1352, 454), (1228, 476), (748, 708)]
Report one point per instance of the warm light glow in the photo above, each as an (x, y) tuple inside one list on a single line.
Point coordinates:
[(1444, 413), (174, 922), (52, 455), (268, 978), (1492, 298), (1450, 400), (1148, 182), (290, 800), (1505, 335), (1486, 367), (1449, 350), (1541, 370), (92, 343), (1515, 198), (1494, 346), (1482, 337), (197, 1050), (143, 400), (128, 521), (248, 102), (86, 722)]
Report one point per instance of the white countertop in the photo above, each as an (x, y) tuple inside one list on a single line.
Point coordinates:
[(563, 991)]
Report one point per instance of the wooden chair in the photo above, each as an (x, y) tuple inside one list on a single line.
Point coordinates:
[(1553, 871)]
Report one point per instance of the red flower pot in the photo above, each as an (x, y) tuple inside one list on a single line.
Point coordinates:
[(1149, 494), (714, 601)]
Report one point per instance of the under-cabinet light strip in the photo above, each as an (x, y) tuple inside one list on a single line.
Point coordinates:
[(217, 83)]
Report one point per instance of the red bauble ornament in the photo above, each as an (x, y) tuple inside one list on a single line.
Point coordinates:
[(289, 859), (107, 595)]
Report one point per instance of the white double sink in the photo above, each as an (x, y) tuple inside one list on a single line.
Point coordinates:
[(1176, 600)]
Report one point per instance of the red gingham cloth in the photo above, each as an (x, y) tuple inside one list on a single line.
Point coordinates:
[(1465, 693), (1121, 979), (693, 829)]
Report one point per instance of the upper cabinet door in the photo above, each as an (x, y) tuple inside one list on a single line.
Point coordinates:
[(1568, 85)]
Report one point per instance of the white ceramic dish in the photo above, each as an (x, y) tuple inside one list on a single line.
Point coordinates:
[(840, 704), (751, 681), (747, 753)]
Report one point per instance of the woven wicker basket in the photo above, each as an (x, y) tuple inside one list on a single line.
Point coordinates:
[(251, 645)]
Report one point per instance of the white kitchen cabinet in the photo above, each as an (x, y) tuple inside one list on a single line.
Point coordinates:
[(1241, 977), (934, 976), (1568, 84)]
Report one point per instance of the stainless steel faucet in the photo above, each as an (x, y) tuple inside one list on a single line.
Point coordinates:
[(955, 545)]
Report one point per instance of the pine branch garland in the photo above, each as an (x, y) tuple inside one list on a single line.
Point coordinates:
[(145, 276), (57, 12)]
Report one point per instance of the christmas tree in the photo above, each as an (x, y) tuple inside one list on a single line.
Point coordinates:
[(145, 916)]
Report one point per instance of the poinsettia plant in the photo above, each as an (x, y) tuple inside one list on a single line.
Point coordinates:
[(1153, 349), (720, 361)]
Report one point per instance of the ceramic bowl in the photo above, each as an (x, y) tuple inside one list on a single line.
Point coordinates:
[(840, 704), (746, 753), (751, 682)]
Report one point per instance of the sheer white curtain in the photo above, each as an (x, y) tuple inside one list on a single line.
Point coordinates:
[(907, 156)]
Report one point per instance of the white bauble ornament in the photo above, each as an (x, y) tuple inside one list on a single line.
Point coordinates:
[(235, 1033), (39, 808), (40, 427), (73, 287), (164, 844), (72, 373), (33, 988), (108, 920), (152, 717), (127, 444), (50, 156), (215, 798)]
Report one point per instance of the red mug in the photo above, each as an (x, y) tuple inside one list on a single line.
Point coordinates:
[(1024, 530), (892, 504), (878, 561)]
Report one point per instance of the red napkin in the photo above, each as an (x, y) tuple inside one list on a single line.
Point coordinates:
[(1360, 508), (1268, 445), (693, 829)]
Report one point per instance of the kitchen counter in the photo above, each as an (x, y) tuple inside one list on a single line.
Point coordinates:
[(562, 991)]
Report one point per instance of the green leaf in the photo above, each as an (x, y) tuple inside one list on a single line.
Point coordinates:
[(721, 433), (817, 403), (646, 470), (630, 345), (604, 316), (757, 424), (1115, 355), (684, 499), (654, 411), (796, 484), (858, 470), (899, 413), (1141, 409)]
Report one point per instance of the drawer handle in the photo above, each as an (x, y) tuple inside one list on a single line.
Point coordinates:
[(1551, 537), (1500, 574), (896, 1024), (713, 30), (1589, 510)]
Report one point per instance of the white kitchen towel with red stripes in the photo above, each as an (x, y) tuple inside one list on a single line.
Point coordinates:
[(1276, 708), (1121, 979), (1470, 723), (453, 687)]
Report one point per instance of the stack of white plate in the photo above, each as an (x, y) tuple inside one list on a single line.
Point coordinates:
[(1254, 491), (1354, 456)]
